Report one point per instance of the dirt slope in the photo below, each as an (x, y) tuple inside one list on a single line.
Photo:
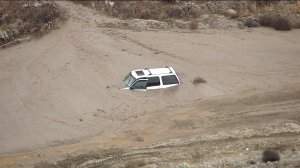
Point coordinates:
[(65, 87)]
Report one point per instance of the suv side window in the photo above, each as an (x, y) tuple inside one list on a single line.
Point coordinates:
[(140, 84), (170, 79), (153, 81)]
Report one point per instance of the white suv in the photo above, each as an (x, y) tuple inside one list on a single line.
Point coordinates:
[(156, 78)]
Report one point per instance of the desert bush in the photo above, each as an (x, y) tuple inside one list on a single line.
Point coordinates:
[(135, 164), (198, 80), (187, 10), (265, 21), (270, 156), (19, 18), (251, 22), (295, 21), (278, 22), (296, 25), (194, 24), (281, 23)]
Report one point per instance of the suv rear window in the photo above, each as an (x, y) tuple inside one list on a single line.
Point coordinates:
[(153, 81), (170, 79)]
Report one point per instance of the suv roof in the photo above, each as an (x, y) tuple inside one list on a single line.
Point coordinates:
[(140, 73)]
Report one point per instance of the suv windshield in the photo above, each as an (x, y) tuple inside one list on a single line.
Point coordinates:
[(128, 80)]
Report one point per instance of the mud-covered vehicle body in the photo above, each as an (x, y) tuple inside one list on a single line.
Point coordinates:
[(155, 78)]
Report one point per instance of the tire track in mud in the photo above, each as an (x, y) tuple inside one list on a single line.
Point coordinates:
[(115, 33), (112, 160), (167, 151)]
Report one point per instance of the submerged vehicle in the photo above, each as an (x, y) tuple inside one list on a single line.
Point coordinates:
[(154, 78)]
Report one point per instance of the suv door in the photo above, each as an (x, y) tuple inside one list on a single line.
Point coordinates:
[(153, 82), (139, 84), (169, 80)]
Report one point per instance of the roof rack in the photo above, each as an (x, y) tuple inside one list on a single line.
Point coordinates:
[(169, 69), (149, 71)]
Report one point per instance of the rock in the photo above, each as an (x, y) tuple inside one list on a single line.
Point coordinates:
[(202, 26), (231, 13), (37, 4), (204, 19), (109, 3), (216, 22), (140, 24), (147, 24), (181, 24), (222, 22), (292, 127), (3, 35), (26, 5)]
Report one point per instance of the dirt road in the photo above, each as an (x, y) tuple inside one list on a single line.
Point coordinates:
[(64, 88)]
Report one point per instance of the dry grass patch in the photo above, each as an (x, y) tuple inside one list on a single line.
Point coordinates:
[(135, 164)]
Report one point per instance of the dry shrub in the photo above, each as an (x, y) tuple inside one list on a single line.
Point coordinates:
[(194, 24), (157, 10), (295, 23), (187, 10), (251, 22), (278, 22), (262, 3), (27, 18), (198, 80), (281, 23), (169, 1), (265, 21), (270, 156)]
